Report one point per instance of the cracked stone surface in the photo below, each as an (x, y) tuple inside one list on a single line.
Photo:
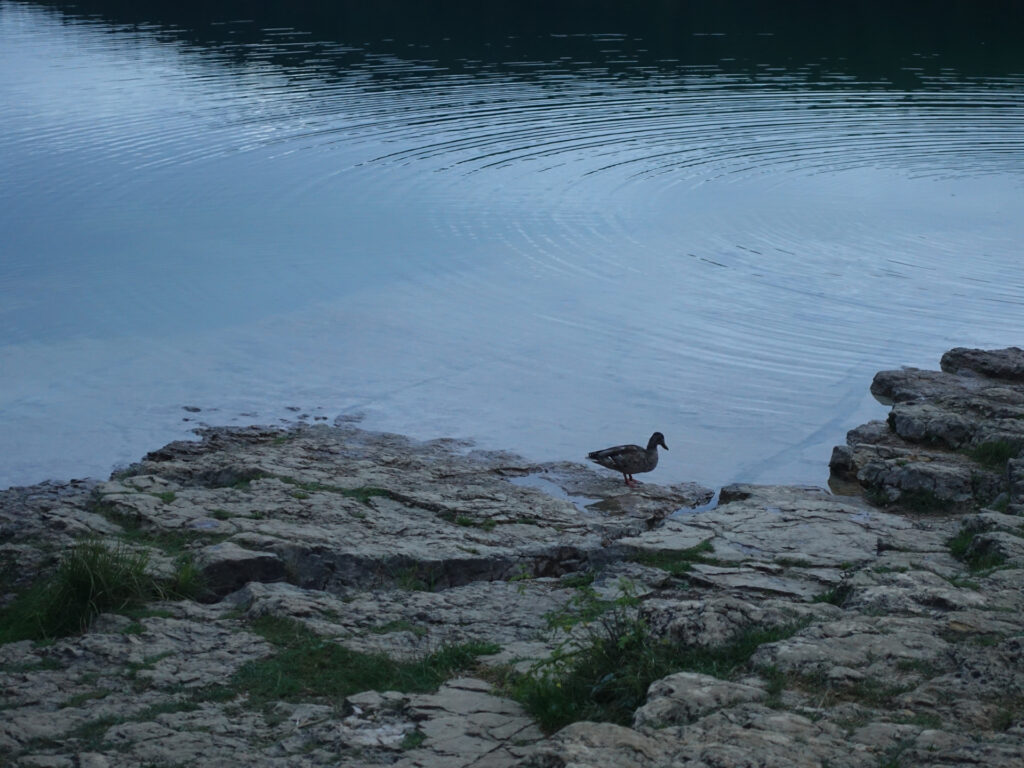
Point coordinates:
[(899, 624)]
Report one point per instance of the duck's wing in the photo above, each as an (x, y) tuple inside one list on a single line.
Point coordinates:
[(616, 456)]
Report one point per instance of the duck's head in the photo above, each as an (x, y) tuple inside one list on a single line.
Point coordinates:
[(656, 439)]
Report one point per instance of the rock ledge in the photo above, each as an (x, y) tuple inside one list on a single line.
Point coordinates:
[(902, 600)]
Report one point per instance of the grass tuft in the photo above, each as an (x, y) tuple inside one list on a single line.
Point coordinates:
[(92, 578), (306, 487), (960, 546), (413, 739), (677, 562), (995, 454), (187, 582), (604, 675), (307, 665), (923, 501), (835, 596), (399, 625)]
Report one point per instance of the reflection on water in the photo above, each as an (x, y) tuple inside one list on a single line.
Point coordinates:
[(544, 229)]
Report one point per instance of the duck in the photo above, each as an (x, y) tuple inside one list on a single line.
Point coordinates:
[(630, 459)]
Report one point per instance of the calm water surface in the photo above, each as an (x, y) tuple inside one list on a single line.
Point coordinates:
[(546, 232)]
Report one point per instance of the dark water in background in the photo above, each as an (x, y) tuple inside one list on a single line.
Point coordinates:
[(549, 227)]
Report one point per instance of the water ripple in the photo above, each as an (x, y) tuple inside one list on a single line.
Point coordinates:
[(546, 251)]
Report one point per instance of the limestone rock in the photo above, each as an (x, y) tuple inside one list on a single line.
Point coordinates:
[(687, 696), (463, 722), (776, 540), (1005, 363), (751, 734), (227, 567), (949, 437), (844, 634), (338, 521), (600, 745), (715, 620)]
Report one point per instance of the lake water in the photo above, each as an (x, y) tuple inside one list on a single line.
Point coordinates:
[(548, 229)]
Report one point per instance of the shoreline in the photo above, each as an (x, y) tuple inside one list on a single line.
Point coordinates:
[(803, 626)]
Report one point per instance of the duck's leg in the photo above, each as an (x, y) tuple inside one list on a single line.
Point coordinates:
[(629, 480)]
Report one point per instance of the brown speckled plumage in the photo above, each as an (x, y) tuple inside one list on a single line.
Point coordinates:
[(630, 459)]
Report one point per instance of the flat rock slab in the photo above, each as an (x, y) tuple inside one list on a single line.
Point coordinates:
[(406, 624), (685, 697), (119, 671), (227, 567), (782, 540), (340, 509)]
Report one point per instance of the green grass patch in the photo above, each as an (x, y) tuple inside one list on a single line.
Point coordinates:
[(960, 547), (893, 756), (174, 543), (413, 739), (872, 692), (923, 502), (960, 544), (876, 496), (577, 580), (135, 531), (963, 582), (80, 698), (90, 736), (679, 561), (92, 578), (305, 665), (776, 681), (165, 708), (245, 483), (835, 596), (165, 496), (584, 606), (363, 494), (466, 521), (42, 665), (417, 578), (186, 583), (603, 676), (400, 625), (1001, 503), (995, 454), (985, 639), (125, 472), (1009, 713)]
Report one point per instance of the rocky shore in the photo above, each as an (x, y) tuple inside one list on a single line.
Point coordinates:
[(877, 624)]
